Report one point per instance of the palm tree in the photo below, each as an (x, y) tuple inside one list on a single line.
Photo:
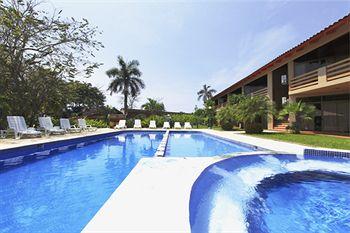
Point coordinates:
[(299, 111), (126, 79), (205, 93), (153, 105)]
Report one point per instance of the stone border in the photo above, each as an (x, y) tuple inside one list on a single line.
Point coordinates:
[(162, 146)]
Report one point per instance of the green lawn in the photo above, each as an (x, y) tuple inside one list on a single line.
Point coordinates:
[(309, 140)]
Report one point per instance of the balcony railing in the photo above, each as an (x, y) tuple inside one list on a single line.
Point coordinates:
[(304, 80), (331, 72), (260, 92), (338, 70)]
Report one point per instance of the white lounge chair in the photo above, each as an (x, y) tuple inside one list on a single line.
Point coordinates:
[(19, 127), (66, 126), (48, 127), (137, 124), (82, 124), (152, 125), (177, 125), (188, 125), (121, 124), (166, 125)]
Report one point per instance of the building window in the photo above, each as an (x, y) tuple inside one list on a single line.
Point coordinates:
[(284, 80), (284, 100)]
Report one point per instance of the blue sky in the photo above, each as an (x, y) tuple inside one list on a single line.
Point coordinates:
[(182, 45)]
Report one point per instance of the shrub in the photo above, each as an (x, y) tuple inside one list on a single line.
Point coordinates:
[(301, 112), (55, 121), (251, 110), (253, 127), (97, 123), (159, 121), (225, 117), (182, 118)]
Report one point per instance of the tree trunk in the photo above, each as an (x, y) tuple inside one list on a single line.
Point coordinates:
[(125, 103)]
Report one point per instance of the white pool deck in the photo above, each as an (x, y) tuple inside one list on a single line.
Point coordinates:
[(155, 195)]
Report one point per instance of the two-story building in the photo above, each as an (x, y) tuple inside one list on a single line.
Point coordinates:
[(316, 71)]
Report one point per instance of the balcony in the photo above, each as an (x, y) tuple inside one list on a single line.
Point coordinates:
[(304, 80), (338, 70), (333, 75), (260, 92)]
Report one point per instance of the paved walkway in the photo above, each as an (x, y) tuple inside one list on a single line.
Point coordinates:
[(13, 143), (268, 144), (273, 145)]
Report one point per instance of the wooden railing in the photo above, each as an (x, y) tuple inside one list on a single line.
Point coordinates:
[(260, 92), (338, 70), (304, 80)]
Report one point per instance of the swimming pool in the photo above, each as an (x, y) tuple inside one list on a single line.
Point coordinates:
[(198, 144), (272, 193), (63, 192)]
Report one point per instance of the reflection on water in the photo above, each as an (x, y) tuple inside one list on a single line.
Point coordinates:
[(63, 192)]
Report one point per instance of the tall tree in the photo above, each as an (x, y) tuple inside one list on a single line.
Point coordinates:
[(126, 79), (83, 97), (38, 48), (153, 105), (205, 93)]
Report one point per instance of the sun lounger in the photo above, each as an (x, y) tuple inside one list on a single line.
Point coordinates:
[(188, 125), (137, 124), (166, 125), (66, 126), (121, 124), (177, 125), (82, 124), (152, 125), (19, 127), (48, 127)]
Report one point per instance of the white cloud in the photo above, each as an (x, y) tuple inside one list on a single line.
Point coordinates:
[(254, 50)]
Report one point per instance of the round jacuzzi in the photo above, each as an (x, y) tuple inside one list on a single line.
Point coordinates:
[(272, 193)]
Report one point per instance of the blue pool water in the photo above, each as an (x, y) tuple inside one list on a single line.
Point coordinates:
[(63, 192), (200, 145), (312, 201), (272, 193)]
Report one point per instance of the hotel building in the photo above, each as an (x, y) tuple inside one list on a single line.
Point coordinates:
[(316, 71)]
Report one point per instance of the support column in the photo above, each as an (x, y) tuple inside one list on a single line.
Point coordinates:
[(270, 96), (290, 72), (291, 99)]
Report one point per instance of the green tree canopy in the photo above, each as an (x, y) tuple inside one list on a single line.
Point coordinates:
[(153, 105), (205, 93), (126, 79), (83, 97), (39, 53)]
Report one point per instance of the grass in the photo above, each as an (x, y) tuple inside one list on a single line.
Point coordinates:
[(315, 140)]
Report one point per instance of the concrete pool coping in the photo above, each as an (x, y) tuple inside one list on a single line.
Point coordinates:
[(10, 143)]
